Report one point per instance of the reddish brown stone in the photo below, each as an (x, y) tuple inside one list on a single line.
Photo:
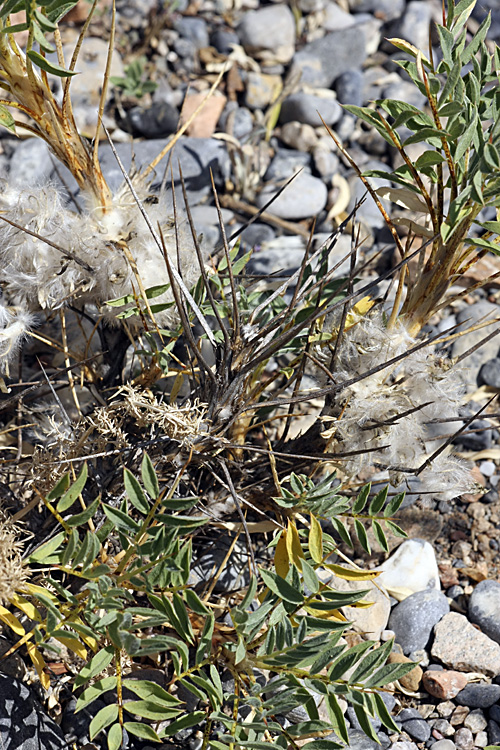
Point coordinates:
[(444, 685)]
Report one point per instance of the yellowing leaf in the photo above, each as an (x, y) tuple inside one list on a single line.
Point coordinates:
[(35, 590), (281, 563), (74, 645), (11, 620), (293, 545), (330, 614), (405, 46), (26, 607), (350, 574), (39, 664), (358, 311), (404, 197), (316, 540), (362, 604)]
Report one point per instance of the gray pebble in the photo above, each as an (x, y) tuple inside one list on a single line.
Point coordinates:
[(286, 163), (269, 28), (478, 696), (256, 234), (31, 162), (414, 618), (323, 60), (493, 732), (237, 121), (235, 574), (418, 729), (484, 608), (223, 39), (159, 120), (193, 29), (349, 87), (305, 107), (388, 9), (443, 745), (305, 197), (476, 721), (359, 741), (489, 374), (454, 592), (494, 713), (353, 719), (336, 18)]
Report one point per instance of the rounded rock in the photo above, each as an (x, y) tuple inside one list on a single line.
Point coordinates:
[(443, 745), (464, 739), (269, 29), (484, 608), (489, 374), (444, 685), (418, 729), (414, 618), (305, 197), (307, 108), (349, 87), (479, 696)]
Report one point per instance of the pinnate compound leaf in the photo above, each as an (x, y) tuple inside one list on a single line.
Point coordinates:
[(149, 710), (378, 502), (394, 504), (336, 717), (151, 691), (383, 713), (362, 535), (379, 535)]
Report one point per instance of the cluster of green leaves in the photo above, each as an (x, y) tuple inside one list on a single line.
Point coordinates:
[(461, 130), (346, 516), (134, 82), (138, 601)]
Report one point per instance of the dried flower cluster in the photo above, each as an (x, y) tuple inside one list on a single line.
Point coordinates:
[(389, 411), (13, 573)]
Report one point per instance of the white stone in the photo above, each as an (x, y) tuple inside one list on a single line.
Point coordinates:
[(411, 568)]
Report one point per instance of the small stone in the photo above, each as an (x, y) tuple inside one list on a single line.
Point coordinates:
[(223, 40), (414, 618), (325, 162), (489, 374), (410, 681), (349, 87), (476, 721), (493, 732), (156, 121), (269, 30), (418, 729), (445, 709), (479, 696), (261, 89), (411, 568), (464, 739), (322, 61), (194, 30), (459, 645), (204, 124), (286, 163), (443, 727), (481, 739), (307, 108), (454, 592), (443, 745), (336, 18), (484, 608), (487, 468), (444, 685), (389, 10), (459, 715), (494, 714), (304, 197), (299, 136)]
